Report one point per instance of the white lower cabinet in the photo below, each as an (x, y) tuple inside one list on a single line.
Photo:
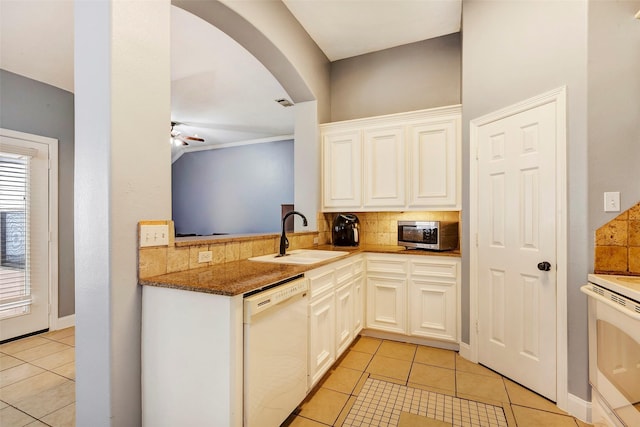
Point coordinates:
[(414, 295), (322, 346), (335, 313), (434, 296), (386, 304), (411, 295), (358, 304), (344, 317), (387, 293), (432, 309)]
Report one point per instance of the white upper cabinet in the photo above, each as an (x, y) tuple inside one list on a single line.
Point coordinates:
[(398, 162), (341, 173), (384, 167), (434, 164)]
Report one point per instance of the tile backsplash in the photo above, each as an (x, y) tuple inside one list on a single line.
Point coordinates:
[(183, 255), (376, 228), (617, 246), (381, 228)]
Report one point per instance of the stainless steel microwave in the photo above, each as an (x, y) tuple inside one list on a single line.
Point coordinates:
[(433, 235)]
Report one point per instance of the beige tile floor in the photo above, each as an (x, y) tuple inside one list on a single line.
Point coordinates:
[(37, 380), (425, 368), (37, 384)]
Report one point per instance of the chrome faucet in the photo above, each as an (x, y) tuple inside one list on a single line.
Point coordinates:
[(284, 242)]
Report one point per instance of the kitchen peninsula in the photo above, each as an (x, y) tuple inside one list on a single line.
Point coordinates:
[(192, 319)]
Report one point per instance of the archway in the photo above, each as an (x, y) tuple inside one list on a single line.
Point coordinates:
[(312, 100)]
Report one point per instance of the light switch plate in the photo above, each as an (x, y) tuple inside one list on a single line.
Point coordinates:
[(154, 235), (612, 201)]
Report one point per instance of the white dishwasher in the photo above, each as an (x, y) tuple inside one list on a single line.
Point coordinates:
[(275, 352)]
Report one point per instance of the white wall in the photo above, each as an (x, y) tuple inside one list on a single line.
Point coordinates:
[(614, 108), (275, 21), (512, 51), (306, 151), (122, 100)]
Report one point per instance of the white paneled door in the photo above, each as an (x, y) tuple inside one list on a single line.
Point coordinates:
[(516, 246), (24, 236)]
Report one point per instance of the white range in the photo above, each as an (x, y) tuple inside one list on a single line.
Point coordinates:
[(614, 349)]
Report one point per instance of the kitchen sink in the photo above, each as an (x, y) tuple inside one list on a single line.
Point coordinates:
[(300, 256)]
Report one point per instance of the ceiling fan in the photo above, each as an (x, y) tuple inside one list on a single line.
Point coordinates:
[(178, 138)]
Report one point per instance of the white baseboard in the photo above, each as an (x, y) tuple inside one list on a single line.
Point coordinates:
[(465, 351), (409, 339), (63, 322), (579, 408)]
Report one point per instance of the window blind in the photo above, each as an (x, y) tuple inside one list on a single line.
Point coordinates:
[(15, 292)]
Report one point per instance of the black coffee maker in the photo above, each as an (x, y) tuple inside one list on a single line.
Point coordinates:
[(346, 230)]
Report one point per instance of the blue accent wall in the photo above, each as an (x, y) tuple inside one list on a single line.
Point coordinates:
[(233, 190)]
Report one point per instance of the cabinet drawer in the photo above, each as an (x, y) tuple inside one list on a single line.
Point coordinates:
[(433, 268), (344, 272), (386, 265), (320, 281)]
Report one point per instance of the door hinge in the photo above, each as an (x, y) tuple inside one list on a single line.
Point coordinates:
[(477, 326)]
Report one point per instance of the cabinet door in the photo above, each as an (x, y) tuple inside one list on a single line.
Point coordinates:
[(322, 351), (384, 167), (386, 304), (432, 309), (433, 165), (358, 305), (342, 170), (344, 318)]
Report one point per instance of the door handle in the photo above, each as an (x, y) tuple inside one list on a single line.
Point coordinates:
[(544, 266)]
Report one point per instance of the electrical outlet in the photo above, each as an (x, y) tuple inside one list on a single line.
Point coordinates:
[(154, 235), (612, 201), (205, 256)]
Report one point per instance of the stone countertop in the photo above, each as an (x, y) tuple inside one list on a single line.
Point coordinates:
[(240, 277)]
